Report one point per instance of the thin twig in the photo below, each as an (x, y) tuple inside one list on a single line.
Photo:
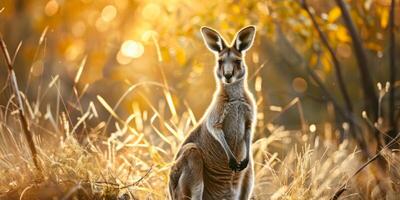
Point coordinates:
[(117, 186), (392, 72), (370, 97), (258, 70), (22, 117)]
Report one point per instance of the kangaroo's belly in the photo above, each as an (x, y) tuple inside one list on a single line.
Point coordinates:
[(221, 184), (234, 128)]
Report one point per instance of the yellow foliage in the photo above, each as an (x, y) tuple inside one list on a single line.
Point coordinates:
[(313, 60), (373, 46), (341, 34), (384, 18), (181, 56), (326, 64), (334, 14)]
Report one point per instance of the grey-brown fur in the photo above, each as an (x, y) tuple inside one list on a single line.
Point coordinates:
[(214, 161)]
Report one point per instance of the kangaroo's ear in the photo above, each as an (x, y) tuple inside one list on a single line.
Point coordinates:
[(244, 38), (213, 39)]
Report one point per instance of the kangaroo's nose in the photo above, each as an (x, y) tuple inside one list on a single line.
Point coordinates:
[(228, 76)]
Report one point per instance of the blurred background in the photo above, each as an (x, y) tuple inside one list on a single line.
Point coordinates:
[(123, 42)]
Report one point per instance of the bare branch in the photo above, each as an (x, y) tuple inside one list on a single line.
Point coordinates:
[(370, 96), (336, 63), (393, 71)]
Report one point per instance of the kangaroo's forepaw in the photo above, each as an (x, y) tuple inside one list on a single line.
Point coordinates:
[(243, 164), (233, 164)]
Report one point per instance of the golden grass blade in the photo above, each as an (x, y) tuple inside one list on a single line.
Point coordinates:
[(16, 52), (53, 81), (50, 117), (108, 108), (129, 90), (171, 105), (80, 70), (92, 108), (159, 55), (191, 114), (258, 70), (43, 35), (157, 131), (80, 121)]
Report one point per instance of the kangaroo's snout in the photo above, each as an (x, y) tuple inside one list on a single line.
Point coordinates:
[(228, 72), (228, 76)]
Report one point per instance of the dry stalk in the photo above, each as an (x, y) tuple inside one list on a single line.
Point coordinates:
[(21, 112)]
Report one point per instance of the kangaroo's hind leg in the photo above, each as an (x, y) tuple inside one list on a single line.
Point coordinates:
[(186, 176)]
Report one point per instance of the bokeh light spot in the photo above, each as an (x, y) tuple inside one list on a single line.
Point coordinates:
[(108, 13), (312, 128), (344, 50), (74, 50), (299, 84), (132, 49), (258, 83), (123, 60), (51, 8)]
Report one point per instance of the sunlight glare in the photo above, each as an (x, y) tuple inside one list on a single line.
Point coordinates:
[(151, 11)]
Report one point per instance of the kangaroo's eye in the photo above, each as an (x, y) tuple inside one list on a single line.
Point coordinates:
[(220, 63), (238, 63)]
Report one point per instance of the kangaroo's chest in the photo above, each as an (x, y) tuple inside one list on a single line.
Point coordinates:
[(234, 120)]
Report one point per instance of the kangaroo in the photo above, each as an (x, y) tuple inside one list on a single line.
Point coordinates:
[(215, 159)]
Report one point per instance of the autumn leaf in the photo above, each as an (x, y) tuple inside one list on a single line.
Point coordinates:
[(341, 34), (384, 18), (334, 14), (181, 56), (326, 64)]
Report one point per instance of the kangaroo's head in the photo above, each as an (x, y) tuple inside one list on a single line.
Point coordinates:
[(230, 66)]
